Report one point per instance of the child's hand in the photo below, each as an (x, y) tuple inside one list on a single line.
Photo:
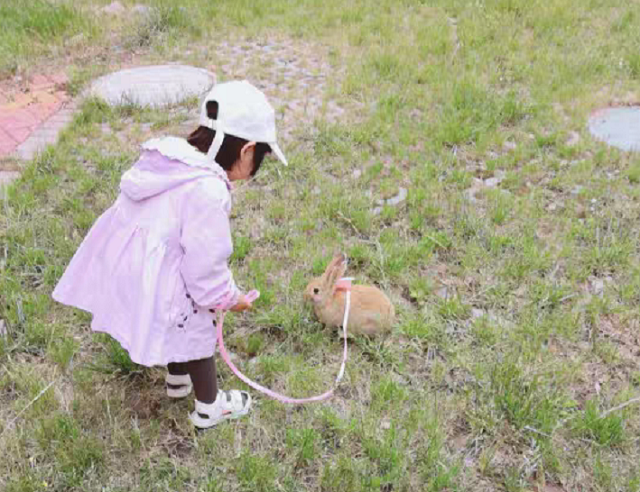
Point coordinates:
[(242, 305)]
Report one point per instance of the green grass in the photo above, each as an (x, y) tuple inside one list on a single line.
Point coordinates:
[(517, 312), (38, 27)]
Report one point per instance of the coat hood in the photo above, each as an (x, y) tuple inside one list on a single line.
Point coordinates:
[(157, 170)]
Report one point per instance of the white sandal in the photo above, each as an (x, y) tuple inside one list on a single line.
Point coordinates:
[(178, 386), (228, 405)]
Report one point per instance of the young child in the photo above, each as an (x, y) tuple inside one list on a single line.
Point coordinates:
[(154, 266)]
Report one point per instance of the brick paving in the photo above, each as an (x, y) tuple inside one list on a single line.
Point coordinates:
[(46, 133), (23, 112)]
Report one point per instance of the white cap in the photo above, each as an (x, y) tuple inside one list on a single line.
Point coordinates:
[(244, 112)]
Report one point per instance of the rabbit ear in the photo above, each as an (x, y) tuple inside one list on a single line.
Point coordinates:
[(332, 264), (339, 267)]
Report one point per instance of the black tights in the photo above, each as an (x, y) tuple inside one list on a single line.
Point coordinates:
[(203, 376)]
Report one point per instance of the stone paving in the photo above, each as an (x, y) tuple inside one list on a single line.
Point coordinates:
[(297, 79), (31, 116)]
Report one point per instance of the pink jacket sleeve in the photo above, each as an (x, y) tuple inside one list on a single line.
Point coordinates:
[(206, 242)]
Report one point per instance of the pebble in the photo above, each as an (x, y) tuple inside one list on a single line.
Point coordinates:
[(393, 201), (495, 180), (470, 193), (574, 139), (399, 198), (597, 285), (443, 293)]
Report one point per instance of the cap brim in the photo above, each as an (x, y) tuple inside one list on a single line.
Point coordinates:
[(278, 152)]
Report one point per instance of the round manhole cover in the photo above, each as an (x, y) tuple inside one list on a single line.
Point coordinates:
[(153, 86), (618, 127)]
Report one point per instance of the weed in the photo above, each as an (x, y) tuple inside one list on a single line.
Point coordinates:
[(256, 472), (163, 20), (606, 431)]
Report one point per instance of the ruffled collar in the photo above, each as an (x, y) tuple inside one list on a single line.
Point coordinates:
[(179, 149)]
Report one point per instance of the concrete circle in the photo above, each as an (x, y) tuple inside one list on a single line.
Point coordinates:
[(153, 86), (618, 127)]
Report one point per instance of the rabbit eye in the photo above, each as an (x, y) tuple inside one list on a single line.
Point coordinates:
[(316, 290)]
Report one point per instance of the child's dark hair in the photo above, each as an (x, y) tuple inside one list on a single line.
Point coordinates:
[(229, 152)]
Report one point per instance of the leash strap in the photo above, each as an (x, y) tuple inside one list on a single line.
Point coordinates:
[(252, 296)]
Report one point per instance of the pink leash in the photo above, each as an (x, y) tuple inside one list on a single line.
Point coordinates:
[(344, 284)]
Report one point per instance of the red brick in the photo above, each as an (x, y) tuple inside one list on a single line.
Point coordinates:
[(40, 81), (6, 151), (43, 97), (18, 101), (7, 140), (59, 78), (19, 119), (19, 134), (7, 144), (44, 106), (44, 111), (63, 96)]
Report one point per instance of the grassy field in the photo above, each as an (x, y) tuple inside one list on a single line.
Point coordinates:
[(518, 337)]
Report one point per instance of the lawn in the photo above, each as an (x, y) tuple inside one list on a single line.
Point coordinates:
[(513, 263)]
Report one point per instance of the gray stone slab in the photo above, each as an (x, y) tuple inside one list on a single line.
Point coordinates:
[(45, 134), (154, 86), (618, 127)]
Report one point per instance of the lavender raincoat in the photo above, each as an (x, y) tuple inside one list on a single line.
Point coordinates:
[(155, 263)]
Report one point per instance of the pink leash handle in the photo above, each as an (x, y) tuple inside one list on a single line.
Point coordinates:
[(252, 296)]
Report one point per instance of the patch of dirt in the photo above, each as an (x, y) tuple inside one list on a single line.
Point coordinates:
[(175, 443), (598, 379), (145, 403), (545, 487), (9, 166), (624, 334)]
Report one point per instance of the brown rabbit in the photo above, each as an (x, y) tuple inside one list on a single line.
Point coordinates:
[(371, 311)]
